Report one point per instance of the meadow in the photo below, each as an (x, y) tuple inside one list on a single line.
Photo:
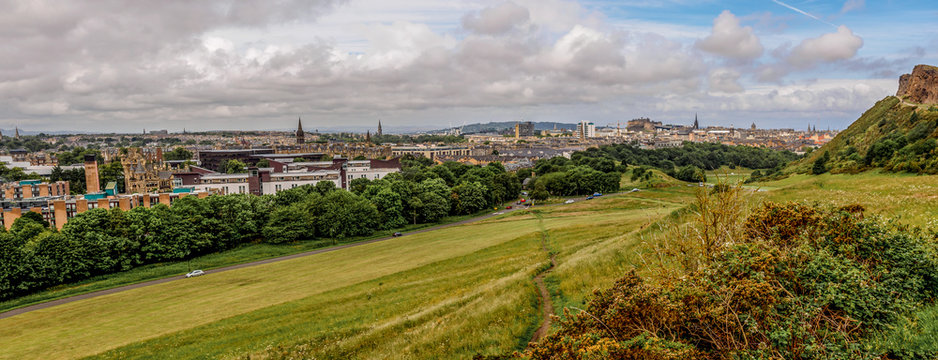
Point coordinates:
[(448, 293)]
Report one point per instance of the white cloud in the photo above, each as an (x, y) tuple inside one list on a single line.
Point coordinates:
[(841, 45), (851, 5), (496, 20), (729, 39)]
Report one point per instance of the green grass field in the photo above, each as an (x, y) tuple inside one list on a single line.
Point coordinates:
[(449, 293), (242, 254)]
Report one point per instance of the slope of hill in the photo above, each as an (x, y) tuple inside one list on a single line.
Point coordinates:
[(894, 135)]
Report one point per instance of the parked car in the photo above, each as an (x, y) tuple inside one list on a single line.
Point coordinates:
[(523, 200), (508, 207), (569, 201), (634, 190), (597, 194), (195, 273), (589, 197), (396, 234)]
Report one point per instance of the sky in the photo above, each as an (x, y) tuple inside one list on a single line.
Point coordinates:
[(125, 66)]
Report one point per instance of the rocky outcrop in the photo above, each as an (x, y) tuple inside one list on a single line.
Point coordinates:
[(921, 86)]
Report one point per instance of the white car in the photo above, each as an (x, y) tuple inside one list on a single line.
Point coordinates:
[(634, 190), (569, 201), (194, 273)]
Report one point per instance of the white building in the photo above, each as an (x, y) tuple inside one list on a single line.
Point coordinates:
[(288, 180), (586, 129), (365, 169), (223, 183)]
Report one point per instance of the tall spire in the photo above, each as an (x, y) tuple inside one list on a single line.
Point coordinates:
[(696, 124), (300, 136), (379, 133)]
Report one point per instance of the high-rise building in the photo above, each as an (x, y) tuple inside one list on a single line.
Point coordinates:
[(91, 175), (525, 128), (300, 136), (585, 129)]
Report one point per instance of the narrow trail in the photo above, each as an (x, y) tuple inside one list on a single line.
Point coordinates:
[(547, 305)]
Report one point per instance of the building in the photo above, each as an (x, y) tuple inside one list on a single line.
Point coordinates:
[(27, 189), (214, 159), (91, 175), (642, 124), (300, 135), (524, 129), (379, 133), (287, 175), (368, 169), (431, 152), (585, 130), (145, 172)]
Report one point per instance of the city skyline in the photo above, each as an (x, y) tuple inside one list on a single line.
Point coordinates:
[(422, 65)]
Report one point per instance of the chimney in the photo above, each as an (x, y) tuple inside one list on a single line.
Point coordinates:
[(91, 175)]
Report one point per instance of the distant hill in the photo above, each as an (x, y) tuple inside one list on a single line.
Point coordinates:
[(894, 135), (505, 125)]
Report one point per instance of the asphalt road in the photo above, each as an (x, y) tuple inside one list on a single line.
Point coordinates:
[(95, 294)]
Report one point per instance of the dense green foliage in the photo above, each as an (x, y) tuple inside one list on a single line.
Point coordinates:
[(103, 241), (179, 153), (76, 156), (707, 156), (804, 283), (30, 143), (890, 135)]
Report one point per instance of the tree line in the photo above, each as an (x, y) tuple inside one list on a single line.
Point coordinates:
[(104, 241)]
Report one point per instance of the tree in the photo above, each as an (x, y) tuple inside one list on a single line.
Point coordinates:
[(235, 166), (540, 192), (112, 171), (325, 187), (435, 207), (358, 185), (262, 163), (820, 165), (179, 153), (468, 198), (690, 173), (390, 208), (360, 157), (290, 224)]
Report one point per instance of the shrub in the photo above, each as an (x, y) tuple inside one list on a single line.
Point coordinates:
[(804, 282)]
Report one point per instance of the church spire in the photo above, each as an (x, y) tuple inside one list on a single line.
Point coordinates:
[(300, 136), (379, 133), (696, 124)]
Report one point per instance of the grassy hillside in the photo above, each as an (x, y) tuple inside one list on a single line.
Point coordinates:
[(462, 290), (450, 293), (893, 135)]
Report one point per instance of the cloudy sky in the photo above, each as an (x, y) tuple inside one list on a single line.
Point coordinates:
[(117, 65)]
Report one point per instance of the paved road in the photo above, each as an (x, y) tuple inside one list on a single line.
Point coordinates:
[(95, 294)]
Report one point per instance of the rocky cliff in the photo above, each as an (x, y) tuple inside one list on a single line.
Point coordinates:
[(921, 86)]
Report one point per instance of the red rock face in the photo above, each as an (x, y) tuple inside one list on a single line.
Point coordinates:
[(921, 86)]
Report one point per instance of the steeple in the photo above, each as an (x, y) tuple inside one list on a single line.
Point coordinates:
[(367, 135), (696, 124), (17, 132), (379, 133), (300, 136)]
